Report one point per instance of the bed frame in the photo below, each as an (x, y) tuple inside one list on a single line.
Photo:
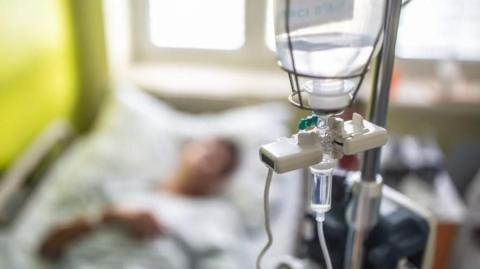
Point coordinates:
[(25, 175)]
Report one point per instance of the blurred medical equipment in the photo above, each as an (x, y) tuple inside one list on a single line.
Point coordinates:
[(468, 241), (326, 47)]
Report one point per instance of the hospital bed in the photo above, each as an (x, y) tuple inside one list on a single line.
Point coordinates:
[(135, 143)]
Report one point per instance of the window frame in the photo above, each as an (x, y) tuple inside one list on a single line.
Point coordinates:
[(254, 52)]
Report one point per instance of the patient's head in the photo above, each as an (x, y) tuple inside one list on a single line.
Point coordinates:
[(206, 165)]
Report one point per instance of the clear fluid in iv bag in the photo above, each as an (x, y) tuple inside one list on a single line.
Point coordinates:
[(325, 55)]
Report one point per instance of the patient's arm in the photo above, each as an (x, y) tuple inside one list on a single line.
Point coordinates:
[(61, 237), (140, 225)]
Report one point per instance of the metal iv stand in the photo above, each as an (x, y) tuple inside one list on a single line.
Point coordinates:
[(363, 210)]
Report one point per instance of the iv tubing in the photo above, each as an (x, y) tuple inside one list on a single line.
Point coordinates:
[(266, 208), (323, 245)]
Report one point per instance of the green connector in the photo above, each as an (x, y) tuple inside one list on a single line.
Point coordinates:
[(308, 122), (302, 125)]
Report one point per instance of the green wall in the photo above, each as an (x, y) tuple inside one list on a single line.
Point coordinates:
[(37, 71)]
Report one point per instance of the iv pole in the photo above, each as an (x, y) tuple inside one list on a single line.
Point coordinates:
[(363, 210)]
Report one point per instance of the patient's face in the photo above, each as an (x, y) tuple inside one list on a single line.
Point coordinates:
[(207, 162)]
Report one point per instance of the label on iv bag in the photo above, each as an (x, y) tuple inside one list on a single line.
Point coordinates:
[(307, 13)]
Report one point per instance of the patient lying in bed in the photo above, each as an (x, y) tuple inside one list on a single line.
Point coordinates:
[(182, 223)]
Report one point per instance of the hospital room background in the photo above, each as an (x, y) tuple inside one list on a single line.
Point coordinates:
[(99, 100)]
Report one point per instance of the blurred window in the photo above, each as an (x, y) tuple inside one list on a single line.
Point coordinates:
[(440, 29), (270, 30), (217, 32), (205, 24)]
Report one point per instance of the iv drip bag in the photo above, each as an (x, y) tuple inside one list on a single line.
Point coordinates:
[(331, 42)]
